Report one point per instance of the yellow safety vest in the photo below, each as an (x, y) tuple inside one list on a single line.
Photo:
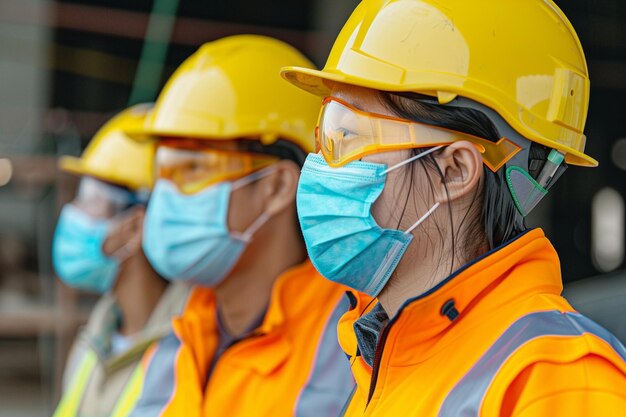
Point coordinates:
[(70, 403)]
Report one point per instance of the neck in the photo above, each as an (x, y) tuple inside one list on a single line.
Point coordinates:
[(245, 294), (425, 264), (137, 292)]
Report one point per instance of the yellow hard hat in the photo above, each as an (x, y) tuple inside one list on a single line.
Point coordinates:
[(230, 89), (113, 157), (521, 58)]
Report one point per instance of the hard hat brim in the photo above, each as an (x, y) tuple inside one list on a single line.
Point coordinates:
[(321, 83), (75, 166), (141, 135), (156, 135), (72, 165)]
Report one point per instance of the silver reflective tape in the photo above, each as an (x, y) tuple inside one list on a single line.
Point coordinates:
[(466, 397)]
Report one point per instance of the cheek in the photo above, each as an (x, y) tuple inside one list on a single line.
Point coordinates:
[(406, 197), (387, 209)]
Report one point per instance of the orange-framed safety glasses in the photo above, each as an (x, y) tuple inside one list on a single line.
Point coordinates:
[(345, 133), (194, 168)]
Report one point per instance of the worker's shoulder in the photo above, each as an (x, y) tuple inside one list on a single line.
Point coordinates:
[(564, 347), (589, 383), (552, 356), (561, 336)]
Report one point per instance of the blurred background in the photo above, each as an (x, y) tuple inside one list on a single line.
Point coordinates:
[(67, 66)]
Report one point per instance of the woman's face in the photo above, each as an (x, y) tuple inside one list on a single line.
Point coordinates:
[(450, 176), (407, 195)]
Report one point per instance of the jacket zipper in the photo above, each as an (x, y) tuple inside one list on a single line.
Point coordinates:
[(215, 361), (377, 359)]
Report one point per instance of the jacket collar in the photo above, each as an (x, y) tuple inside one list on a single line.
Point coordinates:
[(267, 346), (493, 280)]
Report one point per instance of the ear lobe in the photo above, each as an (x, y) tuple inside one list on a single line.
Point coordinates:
[(462, 166), (282, 187)]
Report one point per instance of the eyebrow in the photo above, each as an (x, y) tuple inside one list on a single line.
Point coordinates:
[(354, 102)]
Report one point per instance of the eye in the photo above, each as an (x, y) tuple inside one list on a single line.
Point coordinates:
[(193, 166), (344, 133)]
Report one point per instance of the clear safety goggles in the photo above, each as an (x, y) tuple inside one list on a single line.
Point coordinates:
[(101, 200), (194, 168), (345, 134)]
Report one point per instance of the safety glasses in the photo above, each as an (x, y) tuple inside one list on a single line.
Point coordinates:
[(193, 169), (101, 200), (345, 134)]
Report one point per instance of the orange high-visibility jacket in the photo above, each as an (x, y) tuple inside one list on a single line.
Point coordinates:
[(291, 365), (494, 339)]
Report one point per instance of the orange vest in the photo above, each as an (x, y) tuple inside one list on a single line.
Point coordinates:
[(494, 339), (291, 365)]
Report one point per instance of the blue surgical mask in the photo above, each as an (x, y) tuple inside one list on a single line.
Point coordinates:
[(186, 237), (77, 251), (343, 240)]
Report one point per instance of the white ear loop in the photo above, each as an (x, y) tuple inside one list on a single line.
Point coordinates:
[(264, 217), (123, 253), (255, 226), (255, 176), (408, 161), (424, 217)]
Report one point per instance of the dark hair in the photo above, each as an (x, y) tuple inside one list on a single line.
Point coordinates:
[(494, 219)]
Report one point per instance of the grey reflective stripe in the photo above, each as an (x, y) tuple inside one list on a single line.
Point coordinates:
[(330, 383), (344, 410), (466, 397), (159, 382)]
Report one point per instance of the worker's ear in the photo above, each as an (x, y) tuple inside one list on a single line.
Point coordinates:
[(278, 190), (462, 167)]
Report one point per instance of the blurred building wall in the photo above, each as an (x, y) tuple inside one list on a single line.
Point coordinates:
[(24, 89), (24, 68)]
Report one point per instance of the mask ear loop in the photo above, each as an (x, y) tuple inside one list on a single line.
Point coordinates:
[(423, 218), (255, 176), (123, 253), (408, 161), (414, 158), (255, 226), (264, 217)]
